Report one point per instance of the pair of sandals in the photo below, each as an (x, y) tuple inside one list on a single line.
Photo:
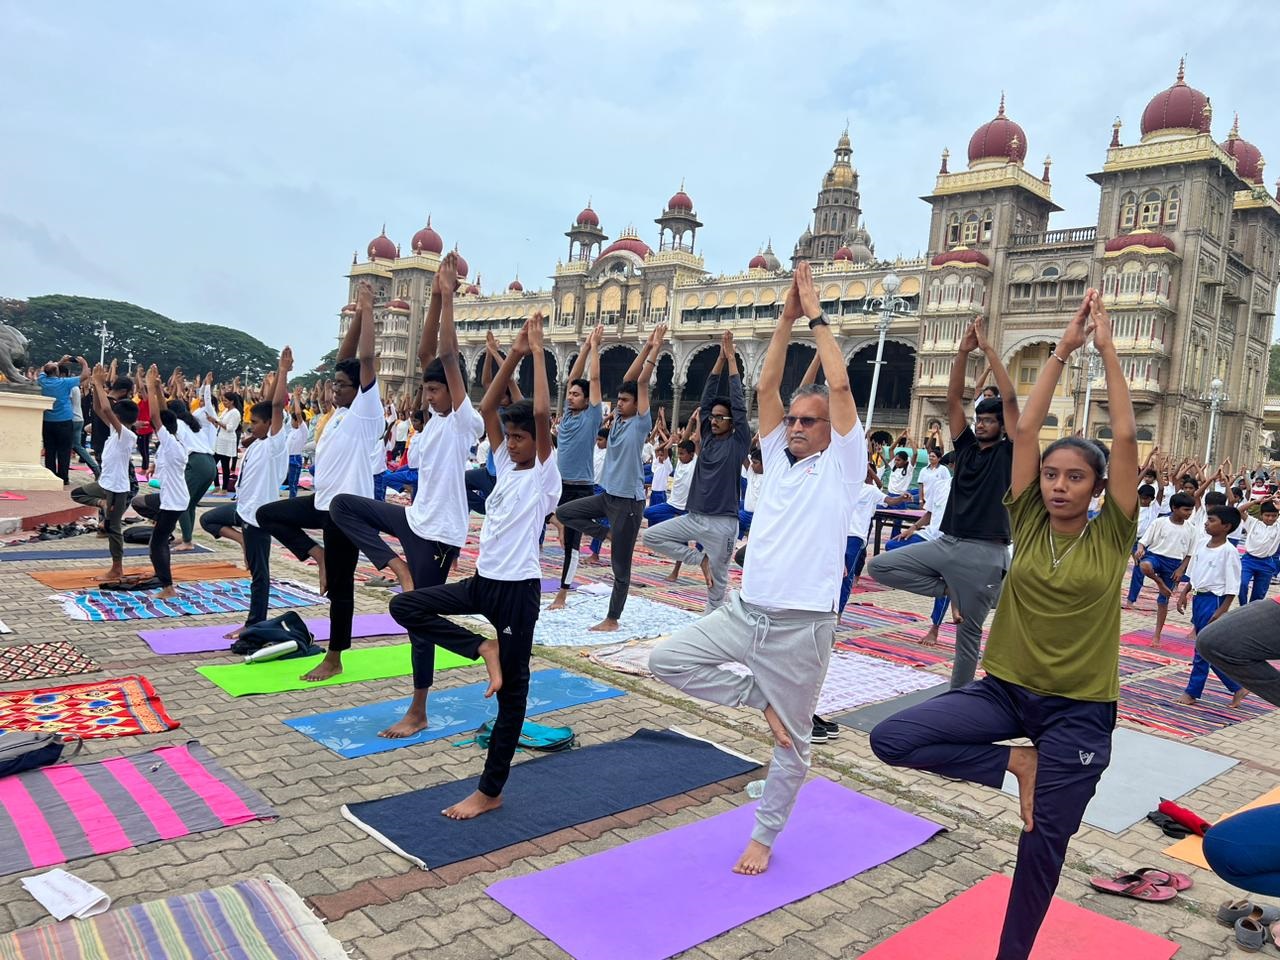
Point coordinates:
[(1254, 923), (1145, 883)]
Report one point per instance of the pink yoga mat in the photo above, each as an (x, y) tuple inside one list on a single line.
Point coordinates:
[(212, 638), (655, 897), (968, 928)]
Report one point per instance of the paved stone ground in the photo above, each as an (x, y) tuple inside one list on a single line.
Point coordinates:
[(382, 908)]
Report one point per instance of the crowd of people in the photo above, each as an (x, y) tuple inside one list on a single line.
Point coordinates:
[(1042, 536)]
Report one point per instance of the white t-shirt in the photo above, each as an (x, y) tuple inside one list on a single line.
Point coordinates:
[(296, 442), (661, 474), (1260, 540), (752, 496), (439, 510), (171, 470), (515, 513), (866, 500), (937, 508), (1147, 516), (197, 441), (1169, 539), (1215, 570), (265, 464), (402, 431), (598, 456), (378, 457), (899, 481), (115, 460), (684, 480), (646, 452), (1169, 491), (930, 476), (796, 560), (224, 443), (342, 463)]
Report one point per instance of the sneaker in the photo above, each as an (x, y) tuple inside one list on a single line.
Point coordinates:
[(820, 734), (833, 729)]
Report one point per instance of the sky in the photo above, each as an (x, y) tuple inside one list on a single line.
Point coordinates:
[(221, 162)]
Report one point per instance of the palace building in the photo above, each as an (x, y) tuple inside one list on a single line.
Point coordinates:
[(1184, 249)]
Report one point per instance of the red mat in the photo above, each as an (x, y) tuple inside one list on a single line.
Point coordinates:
[(120, 707), (968, 928)]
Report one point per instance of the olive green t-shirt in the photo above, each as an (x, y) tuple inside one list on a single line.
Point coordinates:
[(1057, 632)]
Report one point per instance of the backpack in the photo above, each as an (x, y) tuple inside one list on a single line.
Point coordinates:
[(138, 533), (288, 626), (21, 751), (533, 736)]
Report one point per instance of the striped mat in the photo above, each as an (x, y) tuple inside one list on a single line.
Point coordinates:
[(56, 814), (894, 650), (258, 919), (1174, 641), (871, 616), (218, 596), (1151, 703)]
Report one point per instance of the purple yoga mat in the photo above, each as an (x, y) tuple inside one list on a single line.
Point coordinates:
[(655, 897), (213, 638)]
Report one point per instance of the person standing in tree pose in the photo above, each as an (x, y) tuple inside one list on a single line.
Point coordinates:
[(164, 508), (579, 424), (782, 623), (507, 586), (196, 430), (622, 502), (1052, 660), (341, 466), (712, 517), (110, 492), (968, 562)]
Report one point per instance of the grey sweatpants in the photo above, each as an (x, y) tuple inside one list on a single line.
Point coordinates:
[(672, 538), (970, 572), (1240, 644), (787, 652)]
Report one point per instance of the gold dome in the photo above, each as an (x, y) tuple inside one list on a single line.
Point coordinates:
[(840, 175)]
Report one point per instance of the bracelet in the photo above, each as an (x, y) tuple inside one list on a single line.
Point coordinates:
[(649, 361), (1054, 354)]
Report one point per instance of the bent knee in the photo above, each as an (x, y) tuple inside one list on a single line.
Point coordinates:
[(889, 745), (663, 664)]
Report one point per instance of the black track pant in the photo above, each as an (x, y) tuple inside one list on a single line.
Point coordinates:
[(570, 492), (148, 505), (624, 516), (257, 555)]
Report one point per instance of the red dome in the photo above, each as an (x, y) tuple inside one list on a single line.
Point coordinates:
[(844, 253), (998, 139), (1179, 108), (515, 286), (462, 265), (473, 289), (630, 244), (758, 262), (382, 247), (1248, 157), (588, 218), (427, 240), (961, 255), (1140, 238), (680, 201), (398, 304)]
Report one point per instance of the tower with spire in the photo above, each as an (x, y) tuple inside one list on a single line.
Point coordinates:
[(837, 212)]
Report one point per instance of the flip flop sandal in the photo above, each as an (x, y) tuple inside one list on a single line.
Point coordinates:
[(1133, 886), (1234, 910), (1250, 934), (1163, 878)]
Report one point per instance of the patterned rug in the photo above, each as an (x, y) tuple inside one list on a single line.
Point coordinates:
[(221, 596), (870, 616), (1135, 660), (32, 661), (182, 573), (894, 650), (1174, 641), (123, 707), (1151, 703), (570, 627), (854, 681)]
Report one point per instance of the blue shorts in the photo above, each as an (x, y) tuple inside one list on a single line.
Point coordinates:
[(1165, 568)]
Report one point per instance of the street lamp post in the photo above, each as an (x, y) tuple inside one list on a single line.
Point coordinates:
[(1092, 361), (1216, 396), (102, 342), (887, 307)]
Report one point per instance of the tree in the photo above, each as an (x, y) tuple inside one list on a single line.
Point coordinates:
[(1273, 371), (322, 370)]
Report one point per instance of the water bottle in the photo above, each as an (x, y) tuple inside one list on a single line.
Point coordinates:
[(755, 789), (273, 652)]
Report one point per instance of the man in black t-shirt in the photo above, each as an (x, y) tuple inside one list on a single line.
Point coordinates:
[(969, 561)]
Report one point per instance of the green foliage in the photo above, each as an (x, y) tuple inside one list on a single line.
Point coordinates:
[(322, 370), (58, 325), (1273, 371)]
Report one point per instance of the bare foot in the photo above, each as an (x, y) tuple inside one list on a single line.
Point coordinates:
[(1186, 700), (472, 807), (233, 635), (1126, 605), (489, 653), (607, 625), (184, 546), (1155, 641), (706, 570), (780, 735), (1022, 764), (401, 570), (1237, 698), (674, 575), (559, 601), (406, 726), (596, 561), (115, 573), (168, 593), (330, 666), (930, 639), (754, 860)]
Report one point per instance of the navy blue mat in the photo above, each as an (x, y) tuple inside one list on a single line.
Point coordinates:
[(82, 553)]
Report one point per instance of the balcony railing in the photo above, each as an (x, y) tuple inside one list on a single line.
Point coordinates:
[(1049, 238)]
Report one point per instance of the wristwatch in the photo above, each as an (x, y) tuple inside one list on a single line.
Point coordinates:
[(819, 321)]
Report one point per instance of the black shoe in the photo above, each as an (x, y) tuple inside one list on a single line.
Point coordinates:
[(833, 729), (820, 734)]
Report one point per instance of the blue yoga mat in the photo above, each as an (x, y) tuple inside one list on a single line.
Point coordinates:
[(545, 795), (354, 732), (9, 554)]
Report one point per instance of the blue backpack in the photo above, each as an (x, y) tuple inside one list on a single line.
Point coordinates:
[(533, 736)]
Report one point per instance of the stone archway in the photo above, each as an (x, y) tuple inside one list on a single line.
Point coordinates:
[(897, 378), (524, 375)]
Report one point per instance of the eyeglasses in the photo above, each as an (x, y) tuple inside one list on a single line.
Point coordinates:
[(806, 422), (721, 416)]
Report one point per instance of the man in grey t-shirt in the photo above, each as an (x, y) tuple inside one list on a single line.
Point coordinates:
[(622, 502)]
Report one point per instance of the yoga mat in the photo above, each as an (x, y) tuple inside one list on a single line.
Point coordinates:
[(1143, 769), (968, 928), (1152, 702), (218, 596), (866, 718), (570, 627), (55, 814), (34, 661), (886, 647), (1174, 641), (459, 710), (655, 897), (277, 676), (853, 680), (214, 637), (262, 919), (1191, 849), (83, 553), (182, 573), (871, 616), (545, 795), (120, 707)]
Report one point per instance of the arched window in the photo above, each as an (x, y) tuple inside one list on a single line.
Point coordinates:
[(1110, 282), (953, 230), (1149, 212), (935, 292), (1152, 286), (970, 234), (1128, 211), (1172, 204), (1164, 282), (1104, 432), (984, 234), (1145, 435), (950, 288), (1131, 280), (966, 290), (1050, 420)]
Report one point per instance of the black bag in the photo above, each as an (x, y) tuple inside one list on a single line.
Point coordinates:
[(26, 751), (287, 626), (138, 533)]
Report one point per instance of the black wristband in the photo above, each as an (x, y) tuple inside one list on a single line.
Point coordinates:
[(819, 321)]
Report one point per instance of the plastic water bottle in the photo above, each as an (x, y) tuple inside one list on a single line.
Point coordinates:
[(755, 789)]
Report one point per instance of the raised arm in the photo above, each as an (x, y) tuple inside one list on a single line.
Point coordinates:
[(101, 403), (365, 349), (651, 352), (1008, 395), (446, 279), (493, 395), (580, 362), (957, 416), (811, 372), (593, 375), (350, 344), (769, 386), (737, 396), (154, 400), (1122, 465), (449, 340), (638, 364), (844, 412), (281, 393), (541, 392), (85, 370)]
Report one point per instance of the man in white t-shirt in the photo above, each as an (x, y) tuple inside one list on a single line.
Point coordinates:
[(782, 624), (1261, 560), (341, 466), (507, 587)]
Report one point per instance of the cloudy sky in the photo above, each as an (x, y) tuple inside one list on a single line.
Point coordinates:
[(220, 162)]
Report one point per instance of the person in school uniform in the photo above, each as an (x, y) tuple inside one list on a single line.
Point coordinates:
[(753, 474), (1213, 578), (1164, 552), (1148, 510), (507, 586), (164, 508), (295, 446), (196, 429), (1261, 560), (110, 493)]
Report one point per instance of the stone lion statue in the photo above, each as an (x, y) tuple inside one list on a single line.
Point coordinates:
[(13, 354)]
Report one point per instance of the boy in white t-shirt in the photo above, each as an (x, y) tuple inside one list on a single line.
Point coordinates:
[(507, 587), (1261, 560), (1214, 578), (110, 492), (170, 468), (1164, 552)]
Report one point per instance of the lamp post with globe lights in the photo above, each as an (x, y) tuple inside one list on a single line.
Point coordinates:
[(1216, 397), (887, 307), (1091, 365), (102, 343)]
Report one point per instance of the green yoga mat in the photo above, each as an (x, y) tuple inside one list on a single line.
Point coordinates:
[(277, 676)]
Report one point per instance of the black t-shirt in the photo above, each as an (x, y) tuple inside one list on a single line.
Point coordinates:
[(975, 509)]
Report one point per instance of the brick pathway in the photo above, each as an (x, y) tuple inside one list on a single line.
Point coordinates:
[(382, 908)]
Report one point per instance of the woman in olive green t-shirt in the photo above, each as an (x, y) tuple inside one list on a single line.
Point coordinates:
[(1052, 657)]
